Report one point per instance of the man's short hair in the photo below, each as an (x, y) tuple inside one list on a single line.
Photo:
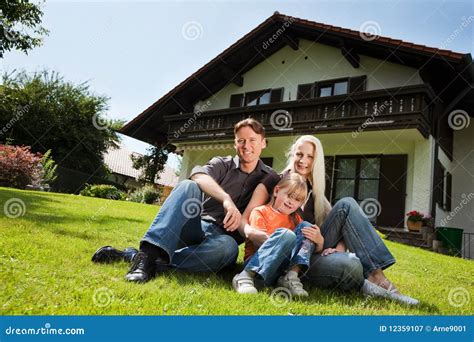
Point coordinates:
[(255, 125)]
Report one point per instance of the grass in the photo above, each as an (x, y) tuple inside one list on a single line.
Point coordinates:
[(45, 269)]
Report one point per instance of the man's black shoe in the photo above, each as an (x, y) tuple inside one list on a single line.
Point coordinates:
[(107, 254), (142, 268)]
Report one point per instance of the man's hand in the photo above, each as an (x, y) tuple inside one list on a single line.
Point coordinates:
[(232, 216), (257, 237), (328, 251)]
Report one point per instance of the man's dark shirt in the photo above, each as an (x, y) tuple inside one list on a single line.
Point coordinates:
[(237, 183)]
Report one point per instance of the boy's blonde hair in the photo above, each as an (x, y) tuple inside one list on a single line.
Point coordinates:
[(297, 189)]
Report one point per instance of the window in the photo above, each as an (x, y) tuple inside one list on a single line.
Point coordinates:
[(331, 87), (357, 177), (256, 98)]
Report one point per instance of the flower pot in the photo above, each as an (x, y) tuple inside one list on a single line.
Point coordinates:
[(414, 225)]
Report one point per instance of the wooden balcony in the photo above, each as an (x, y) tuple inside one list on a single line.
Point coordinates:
[(394, 108)]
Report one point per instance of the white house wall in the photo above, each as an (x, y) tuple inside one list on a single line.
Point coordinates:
[(462, 171), (323, 63)]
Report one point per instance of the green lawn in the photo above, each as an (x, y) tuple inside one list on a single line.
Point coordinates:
[(45, 269)]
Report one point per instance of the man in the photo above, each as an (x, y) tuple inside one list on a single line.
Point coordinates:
[(199, 233)]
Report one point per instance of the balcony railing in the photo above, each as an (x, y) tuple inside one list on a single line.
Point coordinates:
[(394, 108)]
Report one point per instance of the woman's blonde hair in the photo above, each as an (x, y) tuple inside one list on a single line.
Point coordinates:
[(297, 189), (317, 176)]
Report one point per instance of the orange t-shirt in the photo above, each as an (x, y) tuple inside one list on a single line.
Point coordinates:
[(267, 219)]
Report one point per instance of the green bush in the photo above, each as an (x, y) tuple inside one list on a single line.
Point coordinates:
[(147, 194), (103, 191)]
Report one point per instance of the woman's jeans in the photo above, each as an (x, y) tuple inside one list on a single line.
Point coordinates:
[(281, 251), (347, 221)]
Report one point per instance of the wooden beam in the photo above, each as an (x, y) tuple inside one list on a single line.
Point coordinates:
[(292, 42), (233, 76), (351, 56)]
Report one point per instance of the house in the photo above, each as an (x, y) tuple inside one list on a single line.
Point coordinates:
[(119, 161), (393, 116)]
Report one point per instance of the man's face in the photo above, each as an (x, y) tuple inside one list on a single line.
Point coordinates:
[(248, 145)]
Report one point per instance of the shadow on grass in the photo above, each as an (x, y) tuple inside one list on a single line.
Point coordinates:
[(318, 296)]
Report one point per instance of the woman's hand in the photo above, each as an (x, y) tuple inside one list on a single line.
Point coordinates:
[(328, 251)]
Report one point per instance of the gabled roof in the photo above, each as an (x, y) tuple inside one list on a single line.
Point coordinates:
[(119, 161), (437, 66)]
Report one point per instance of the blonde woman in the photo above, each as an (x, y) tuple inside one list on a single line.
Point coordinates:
[(344, 228)]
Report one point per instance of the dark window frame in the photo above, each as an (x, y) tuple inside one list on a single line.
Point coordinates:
[(246, 96), (356, 178)]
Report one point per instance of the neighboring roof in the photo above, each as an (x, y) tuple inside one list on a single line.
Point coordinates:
[(247, 52), (119, 161)]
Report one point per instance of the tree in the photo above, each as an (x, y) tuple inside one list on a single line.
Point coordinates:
[(45, 112), (152, 163), (20, 26)]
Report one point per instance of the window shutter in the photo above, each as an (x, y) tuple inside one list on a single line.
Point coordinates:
[(276, 95), (447, 195), (438, 182), (305, 91), (392, 190), (236, 100), (357, 84)]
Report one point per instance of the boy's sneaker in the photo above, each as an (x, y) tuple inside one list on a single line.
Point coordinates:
[(243, 283), (292, 282)]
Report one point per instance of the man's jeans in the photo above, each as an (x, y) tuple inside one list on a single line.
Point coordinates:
[(192, 244), (346, 270), (281, 251)]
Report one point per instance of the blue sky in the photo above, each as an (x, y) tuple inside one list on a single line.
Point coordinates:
[(135, 52)]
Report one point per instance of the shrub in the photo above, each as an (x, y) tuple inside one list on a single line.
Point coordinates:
[(147, 194), (103, 191), (19, 166), (49, 174)]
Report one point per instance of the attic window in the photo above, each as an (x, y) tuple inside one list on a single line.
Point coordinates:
[(334, 87), (256, 98)]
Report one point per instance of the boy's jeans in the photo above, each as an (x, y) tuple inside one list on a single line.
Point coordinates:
[(281, 251)]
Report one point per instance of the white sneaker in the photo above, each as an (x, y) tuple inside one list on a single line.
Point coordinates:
[(293, 283), (243, 283), (371, 289)]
